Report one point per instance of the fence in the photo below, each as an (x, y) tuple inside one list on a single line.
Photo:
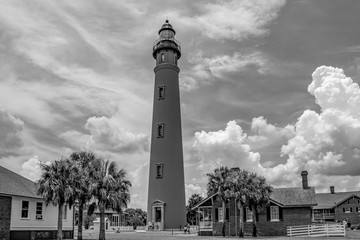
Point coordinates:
[(323, 230)]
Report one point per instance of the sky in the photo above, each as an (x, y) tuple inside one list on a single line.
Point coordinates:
[(268, 86)]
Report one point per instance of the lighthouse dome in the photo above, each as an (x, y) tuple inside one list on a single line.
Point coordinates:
[(167, 26)]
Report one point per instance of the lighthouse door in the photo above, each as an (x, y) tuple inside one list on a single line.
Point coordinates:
[(158, 214)]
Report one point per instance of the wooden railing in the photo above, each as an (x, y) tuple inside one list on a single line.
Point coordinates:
[(323, 230), (324, 216), (205, 224)]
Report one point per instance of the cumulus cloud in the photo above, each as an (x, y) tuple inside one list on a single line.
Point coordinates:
[(10, 134), (106, 135), (224, 147), (329, 141), (266, 134), (327, 144), (31, 168), (237, 20)]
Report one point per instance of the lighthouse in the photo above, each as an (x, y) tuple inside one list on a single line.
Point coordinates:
[(166, 192)]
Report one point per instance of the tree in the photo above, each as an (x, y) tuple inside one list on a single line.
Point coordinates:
[(84, 161), (55, 186), (218, 183), (237, 184), (135, 217), (191, 214), (111, 189), (258, 195)]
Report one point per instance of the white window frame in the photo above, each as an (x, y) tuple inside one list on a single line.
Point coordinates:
[(347, 210), (274, 214), (25, 209), (220, 214), (249, 215), (39, 211)]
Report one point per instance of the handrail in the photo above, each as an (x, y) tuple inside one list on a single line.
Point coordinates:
[(169, 39)]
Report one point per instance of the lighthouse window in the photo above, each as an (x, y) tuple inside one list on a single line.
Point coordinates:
[(162, 59), (161, 92), (160, 130), (159, 170)]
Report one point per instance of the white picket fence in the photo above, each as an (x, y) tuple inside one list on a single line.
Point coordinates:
[(323, 230)]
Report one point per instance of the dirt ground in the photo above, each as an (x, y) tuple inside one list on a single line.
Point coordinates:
[(91, 235)]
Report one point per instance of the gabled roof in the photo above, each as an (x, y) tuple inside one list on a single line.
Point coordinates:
[(203, 201), (285, 197), (15, 185), (331, 200), (293, 197)]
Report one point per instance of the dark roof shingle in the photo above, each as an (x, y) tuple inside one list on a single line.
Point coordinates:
[(15, 185), (329, 200), (294, 196)]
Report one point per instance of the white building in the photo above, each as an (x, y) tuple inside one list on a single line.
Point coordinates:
[(24, 215)]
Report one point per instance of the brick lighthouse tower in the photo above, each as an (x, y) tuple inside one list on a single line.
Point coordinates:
[(166, 192)]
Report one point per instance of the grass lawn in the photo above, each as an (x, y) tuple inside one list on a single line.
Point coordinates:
[(91, 235)]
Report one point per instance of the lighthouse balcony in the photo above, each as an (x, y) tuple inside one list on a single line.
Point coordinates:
[(166, 43)]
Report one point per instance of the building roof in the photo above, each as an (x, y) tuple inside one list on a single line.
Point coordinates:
[(285, 197), (15, 185), (331, 200), (203, 201), (293, 197)]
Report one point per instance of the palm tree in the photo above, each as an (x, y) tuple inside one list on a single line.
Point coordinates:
[(111, 189), (258, 195), (55, 186), (85, 163), (191, 214), (218, 183), (238, 189)]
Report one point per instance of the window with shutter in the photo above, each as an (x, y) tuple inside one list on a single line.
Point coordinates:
[(248, 215), (221, 214)]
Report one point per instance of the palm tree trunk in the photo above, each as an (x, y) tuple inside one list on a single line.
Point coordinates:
[(254, 210), (102, 222), (224, 218), (241, 222), (60, 213), (80, 223)]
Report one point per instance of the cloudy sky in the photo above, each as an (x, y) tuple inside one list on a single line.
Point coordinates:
[(269, 86)]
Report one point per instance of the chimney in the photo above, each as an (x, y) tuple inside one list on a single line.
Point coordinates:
[(304, 179), (332, 189)]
